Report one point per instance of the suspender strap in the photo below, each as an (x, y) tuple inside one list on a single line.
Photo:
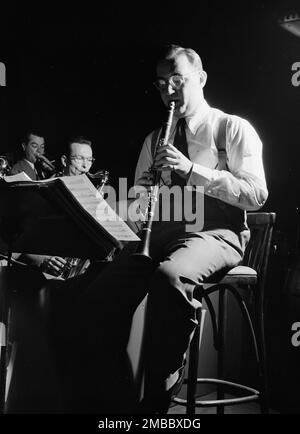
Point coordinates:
[(220, 141)]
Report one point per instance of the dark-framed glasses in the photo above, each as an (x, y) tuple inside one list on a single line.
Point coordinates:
[(81, 159), (176, 81)]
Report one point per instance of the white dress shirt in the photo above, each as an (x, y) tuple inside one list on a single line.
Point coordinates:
[(243, 184)]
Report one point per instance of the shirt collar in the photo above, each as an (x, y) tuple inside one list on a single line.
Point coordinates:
[(196, 119)]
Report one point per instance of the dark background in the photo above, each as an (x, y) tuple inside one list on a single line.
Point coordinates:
[(89, 71)]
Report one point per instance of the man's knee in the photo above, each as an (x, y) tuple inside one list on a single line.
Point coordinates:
[(170, 278), (171, 294), (166, 275)]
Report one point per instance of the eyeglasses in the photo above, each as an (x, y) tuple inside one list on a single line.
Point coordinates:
[(80, 159), (176, 81)]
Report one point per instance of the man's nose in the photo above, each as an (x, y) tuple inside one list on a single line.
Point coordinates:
[(170, 89)]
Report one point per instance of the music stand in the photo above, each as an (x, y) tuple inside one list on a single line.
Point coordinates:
[(44, 219)]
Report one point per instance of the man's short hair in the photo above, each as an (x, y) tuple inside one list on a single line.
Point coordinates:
[(35, 132), (172, 51), (77, 139)]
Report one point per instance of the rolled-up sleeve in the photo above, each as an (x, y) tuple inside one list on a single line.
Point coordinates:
[(243, 184)]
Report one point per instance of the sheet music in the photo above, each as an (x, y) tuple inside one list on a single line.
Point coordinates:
[(92, 201), (18, 177)]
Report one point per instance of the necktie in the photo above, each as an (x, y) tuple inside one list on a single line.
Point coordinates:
[(38, 171), (180, 143)]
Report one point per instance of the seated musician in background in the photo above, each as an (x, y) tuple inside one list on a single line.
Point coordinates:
[(77, 160), (31, 145), (44, 167), (78, 157), (207, 148)]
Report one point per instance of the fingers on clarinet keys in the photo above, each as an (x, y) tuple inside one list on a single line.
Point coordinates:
[(146, 179), (149, 176), (165, 167), (54, 265)]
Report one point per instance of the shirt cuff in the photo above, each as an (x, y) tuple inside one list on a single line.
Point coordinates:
[(200, 175)]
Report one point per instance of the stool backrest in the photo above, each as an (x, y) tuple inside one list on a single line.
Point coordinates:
[(258, 250)]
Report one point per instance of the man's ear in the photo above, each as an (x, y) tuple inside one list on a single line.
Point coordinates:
[(203, 78), (63, 160), (23, 146)]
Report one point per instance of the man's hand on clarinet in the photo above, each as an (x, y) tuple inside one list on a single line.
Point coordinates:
[(168, 157), (146, 180)]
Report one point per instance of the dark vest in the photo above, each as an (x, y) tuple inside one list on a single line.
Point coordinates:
[(217, 214)]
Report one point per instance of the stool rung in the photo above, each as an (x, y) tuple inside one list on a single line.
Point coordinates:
[(227, 383), (226, 401), (213, 403)]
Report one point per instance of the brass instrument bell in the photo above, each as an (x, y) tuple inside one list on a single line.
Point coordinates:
[(4, 166)]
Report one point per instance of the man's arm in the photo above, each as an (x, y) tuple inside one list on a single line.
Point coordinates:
[(50, 264), (15, 169), (144, 162), (244, 184)]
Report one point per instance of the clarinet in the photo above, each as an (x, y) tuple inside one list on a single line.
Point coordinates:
[(143, 248)]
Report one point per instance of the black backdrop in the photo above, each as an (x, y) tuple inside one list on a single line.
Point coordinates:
[(88, 71)]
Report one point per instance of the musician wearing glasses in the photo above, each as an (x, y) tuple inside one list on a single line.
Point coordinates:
[(77, 160), (207, 148), (79, 157)]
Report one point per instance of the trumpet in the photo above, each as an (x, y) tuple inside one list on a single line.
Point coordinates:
[(4, 166), (45, 163), (143, 249)]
